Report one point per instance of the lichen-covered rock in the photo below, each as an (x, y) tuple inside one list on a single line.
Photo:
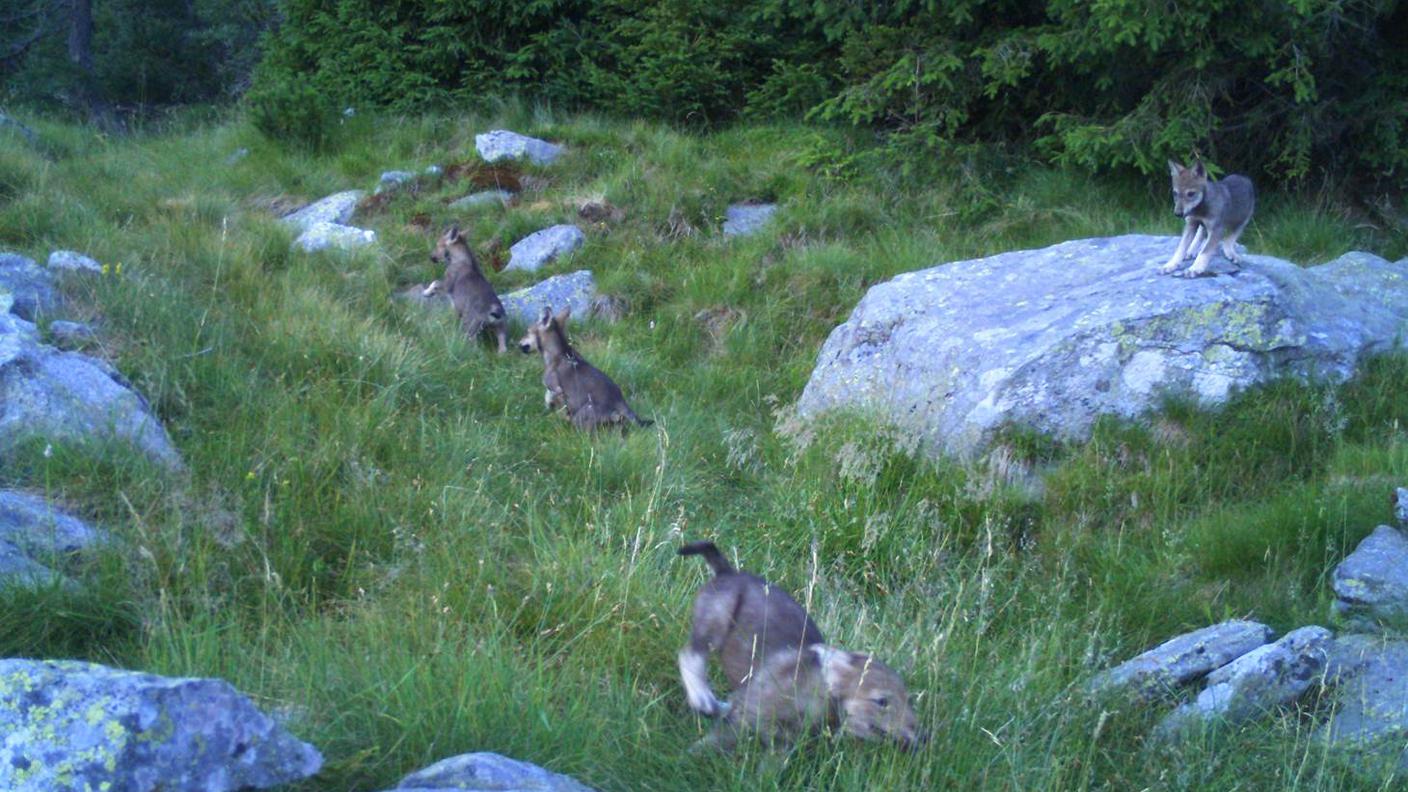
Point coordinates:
[(1400, 506), (1267, 677), (538, 248), (1371, 584), (37, 540), (487, 772), (81, 726), (1053, 338), (502, 144), (336, 208), (73, 262), (483, 198), (48, 393), (1369, 676), (573, 289), (1181, 660), (30, 287), (321, 236), (745, 219)]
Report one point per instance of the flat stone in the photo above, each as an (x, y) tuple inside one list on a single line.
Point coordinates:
[(502, 144), (745, 219), (573, 289), (1371, 584), (483, 198), (1259, 681), (73, 262), (81, 726), (391, 180), (336, 208), (322, 236), (30, 287), (540, 247), (1369, 675), (1052, 339), (1181, 660), (488, 772)]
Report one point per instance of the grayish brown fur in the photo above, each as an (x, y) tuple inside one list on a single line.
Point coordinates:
[(785, 679), (588, 397), (1215, 213), (470, 292)]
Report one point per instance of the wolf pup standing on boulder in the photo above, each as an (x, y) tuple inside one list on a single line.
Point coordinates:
[(1214, 213), (786, 679), (589, 397), (474, 298)]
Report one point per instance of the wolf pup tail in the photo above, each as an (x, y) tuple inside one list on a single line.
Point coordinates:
[(712, 556)]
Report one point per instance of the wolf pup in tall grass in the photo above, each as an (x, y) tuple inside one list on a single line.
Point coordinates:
[(471, 293), (786, 679), (588, 396), (1214, 212)]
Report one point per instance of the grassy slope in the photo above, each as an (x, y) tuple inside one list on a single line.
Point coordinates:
[(384, 535)]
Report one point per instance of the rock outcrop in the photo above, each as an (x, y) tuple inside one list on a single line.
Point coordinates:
[(73, 262), (487, 772), (29, 288), (1053, 338), (1181, 660), (48, 393), (1371, 584), (502, 144), (1267, 677), (38, 542), (322, 236), (540, 247), (1370, 715), (71, 725), (483, 198)]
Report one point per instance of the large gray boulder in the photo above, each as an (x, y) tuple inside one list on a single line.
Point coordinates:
[(335, 236), (1053, 338), (1370, 689), (80, 726), (1181, 660), (336, 208), (1259, 681), (48, 393), (1371, 584), (745, 219), (502, 144), (573, 289), (30, 287), (540, 247), (487, 772), (37, 540)]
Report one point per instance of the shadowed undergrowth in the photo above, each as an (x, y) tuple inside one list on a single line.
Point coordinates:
[(384, 536)]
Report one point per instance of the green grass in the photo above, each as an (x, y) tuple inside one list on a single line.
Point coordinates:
[(383, 535)]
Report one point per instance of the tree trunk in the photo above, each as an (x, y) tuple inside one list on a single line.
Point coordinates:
[(80, 35)]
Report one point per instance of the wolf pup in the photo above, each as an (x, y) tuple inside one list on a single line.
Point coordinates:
[(588, 396), (474, 299), (1214, 212), (786, 679)]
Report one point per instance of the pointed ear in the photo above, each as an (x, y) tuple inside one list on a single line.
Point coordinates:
[(837, 665), (453, 234), (1174, 168), (545, 315), (1198, 169), (564, 315)]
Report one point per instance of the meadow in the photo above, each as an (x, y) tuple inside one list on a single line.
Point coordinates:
[(383, 538)]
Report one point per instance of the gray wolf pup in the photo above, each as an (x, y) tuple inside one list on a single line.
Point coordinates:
[(786, 679), (588, 396), (1215, 213), (471, 293)]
